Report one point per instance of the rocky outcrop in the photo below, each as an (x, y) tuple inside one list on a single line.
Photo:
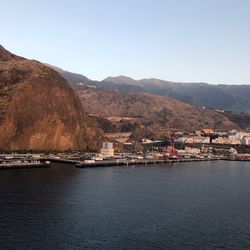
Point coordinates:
[(39, 110)]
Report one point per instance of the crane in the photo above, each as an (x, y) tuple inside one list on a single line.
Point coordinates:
[(171, 149)]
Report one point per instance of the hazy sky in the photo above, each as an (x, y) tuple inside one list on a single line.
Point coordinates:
[(179, 40)]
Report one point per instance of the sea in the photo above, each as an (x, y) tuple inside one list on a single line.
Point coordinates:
[(199, 205)]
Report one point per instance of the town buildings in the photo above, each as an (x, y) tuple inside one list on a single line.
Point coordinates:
[(232, 137)]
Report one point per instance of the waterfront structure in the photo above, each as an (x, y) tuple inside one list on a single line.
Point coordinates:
[(107, 149), (221, 140), (193, 139), (194, 151), (246, 140), (232, 154)]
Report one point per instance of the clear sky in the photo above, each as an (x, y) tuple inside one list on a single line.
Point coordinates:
[(179, 40)]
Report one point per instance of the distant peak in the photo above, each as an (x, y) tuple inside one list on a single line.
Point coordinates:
[(120, 77), (121, 80), (125, 77)]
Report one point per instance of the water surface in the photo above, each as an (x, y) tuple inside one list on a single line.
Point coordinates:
[(189, 206)]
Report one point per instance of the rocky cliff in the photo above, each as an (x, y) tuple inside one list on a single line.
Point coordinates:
[(39, 110)]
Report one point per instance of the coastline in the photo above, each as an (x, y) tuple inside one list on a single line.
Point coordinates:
[(105, 163), (138, 162)]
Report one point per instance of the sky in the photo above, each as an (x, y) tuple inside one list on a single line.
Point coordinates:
[(175, 40)]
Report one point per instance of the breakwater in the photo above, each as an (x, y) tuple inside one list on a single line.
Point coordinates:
[(61, 160), (30, 165), (110, 163)]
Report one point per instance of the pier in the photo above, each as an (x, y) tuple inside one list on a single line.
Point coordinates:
[(45, 162), (73, 162), (23, 165), (110, 163)]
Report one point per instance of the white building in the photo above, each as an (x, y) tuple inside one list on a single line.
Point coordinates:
[(246, 140), (234, 139), (194, 151), (107, 149)]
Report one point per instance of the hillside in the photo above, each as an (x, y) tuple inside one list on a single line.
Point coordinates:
[(147, 114), (241, 119), (110, 83), (39, 110), (224, 97)]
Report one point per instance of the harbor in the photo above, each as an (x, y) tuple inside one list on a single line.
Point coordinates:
[(109, 163), (46, 162), (29, 161), (109, 158)]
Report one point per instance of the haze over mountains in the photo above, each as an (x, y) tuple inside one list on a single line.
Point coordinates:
[(223, 97)]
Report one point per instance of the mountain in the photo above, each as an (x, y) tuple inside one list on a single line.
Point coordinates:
[(109, 83), (241, 119), (121, 80), (120, 83), (39, 110), (148, 115), (224, 97)]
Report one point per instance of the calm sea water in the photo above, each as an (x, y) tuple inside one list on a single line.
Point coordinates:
[(188, 206)]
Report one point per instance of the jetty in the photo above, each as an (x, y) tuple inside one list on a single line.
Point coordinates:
[(61, 160), (127, 162), (23, 165)]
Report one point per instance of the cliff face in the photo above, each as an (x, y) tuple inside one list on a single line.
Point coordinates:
[(39, 110)]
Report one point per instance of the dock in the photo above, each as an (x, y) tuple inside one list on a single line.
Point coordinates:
[(66, 161), (110, 163), (30, 165)]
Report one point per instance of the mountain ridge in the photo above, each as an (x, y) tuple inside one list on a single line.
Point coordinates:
[(221, 96)]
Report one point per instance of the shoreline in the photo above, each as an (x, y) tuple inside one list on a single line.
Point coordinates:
[(139, 162), (108, 163)]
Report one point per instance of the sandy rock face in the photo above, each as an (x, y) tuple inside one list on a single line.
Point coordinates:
[(39, 110)]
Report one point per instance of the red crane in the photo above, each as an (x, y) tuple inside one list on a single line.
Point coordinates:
[(171, 149)]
